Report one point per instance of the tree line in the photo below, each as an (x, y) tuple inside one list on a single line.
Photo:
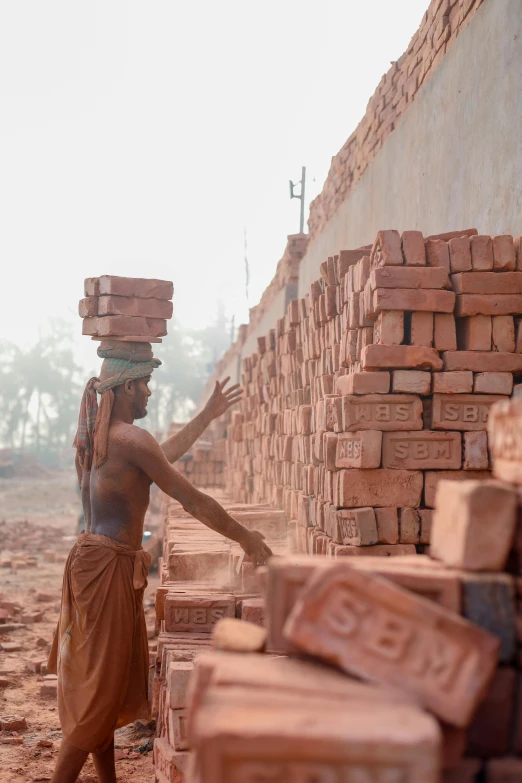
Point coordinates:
[(41, 385)]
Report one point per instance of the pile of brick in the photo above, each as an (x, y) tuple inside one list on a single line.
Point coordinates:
[(204, 578), (376, 385), (204, 463), (428, 663), (129, 308)]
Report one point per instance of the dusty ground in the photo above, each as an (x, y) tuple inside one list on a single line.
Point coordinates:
[(42, 515)]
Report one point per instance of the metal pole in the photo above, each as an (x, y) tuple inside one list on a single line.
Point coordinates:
[(303, 181)]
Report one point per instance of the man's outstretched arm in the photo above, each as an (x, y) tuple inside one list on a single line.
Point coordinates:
[(150, 458), (221, 400)]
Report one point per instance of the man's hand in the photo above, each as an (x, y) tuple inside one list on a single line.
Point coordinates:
[(222, 398), (255, 547)]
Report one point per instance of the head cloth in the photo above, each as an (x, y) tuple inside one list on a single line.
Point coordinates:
[(93, 420)]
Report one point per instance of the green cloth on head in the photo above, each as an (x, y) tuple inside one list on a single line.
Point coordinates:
[(114, 372)]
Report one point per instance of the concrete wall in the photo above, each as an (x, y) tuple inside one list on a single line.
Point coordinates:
[(454, 159)]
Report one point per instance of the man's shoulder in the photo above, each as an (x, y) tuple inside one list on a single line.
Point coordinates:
[(131, 434)]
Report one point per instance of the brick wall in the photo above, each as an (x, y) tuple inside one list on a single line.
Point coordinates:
[(441, 24)]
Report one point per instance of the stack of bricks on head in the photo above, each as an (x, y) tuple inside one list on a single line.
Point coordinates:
[(132, 309), (373, 670), (377, 385)]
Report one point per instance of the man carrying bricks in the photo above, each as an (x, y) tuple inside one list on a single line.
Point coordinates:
[(100, 650)]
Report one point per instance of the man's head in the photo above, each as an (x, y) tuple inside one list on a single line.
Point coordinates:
[(134, 395)]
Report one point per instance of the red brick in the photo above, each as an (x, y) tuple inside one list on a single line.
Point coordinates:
[(486, 304), (358, 488), (505, 442), (253, 611), (487, 283), (144, 288), (190, 613), (411, 381), (482, 361), (401, 356), (444, 332), (425, 299), (386, 249), (234, 740), (437, 253), (363, 383), (460, 254), (493, 383), (126, 305), (432, 479), (170, 765), (381, 412), (413, 248), (476, 455), (423, 450), (178, 677), (421, 329), (374, 629), (387, 525), (453, 382), (462, 411), (481, 253), (124, 326), (359, 449), (406, 277), (88, 307), (356, 527), (503, 335), (389, 327), (504, 257), (474, 524)]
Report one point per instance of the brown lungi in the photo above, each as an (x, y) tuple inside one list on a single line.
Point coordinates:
[(100, 650)]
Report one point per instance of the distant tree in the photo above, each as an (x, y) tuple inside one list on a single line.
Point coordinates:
[(40, 388)]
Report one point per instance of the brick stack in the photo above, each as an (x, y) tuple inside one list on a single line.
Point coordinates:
[(375, 386), (436, 636), (128, 308), (204, 463), (204, 578)]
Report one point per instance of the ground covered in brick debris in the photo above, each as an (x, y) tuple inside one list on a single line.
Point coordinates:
[(38, 519)]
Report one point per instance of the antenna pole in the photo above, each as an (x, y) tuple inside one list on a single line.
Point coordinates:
[(301, 196)]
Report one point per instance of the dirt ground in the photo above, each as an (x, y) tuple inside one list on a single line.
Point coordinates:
[(39, 517)]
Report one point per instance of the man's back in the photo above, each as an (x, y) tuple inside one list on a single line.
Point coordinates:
[(118, 491)]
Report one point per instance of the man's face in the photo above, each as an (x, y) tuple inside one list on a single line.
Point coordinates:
[(141, 397)]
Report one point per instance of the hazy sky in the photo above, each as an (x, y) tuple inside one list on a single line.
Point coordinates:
[(140, 138)]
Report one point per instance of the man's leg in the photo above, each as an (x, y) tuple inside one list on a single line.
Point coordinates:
[(69, 763), (104, 763)]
